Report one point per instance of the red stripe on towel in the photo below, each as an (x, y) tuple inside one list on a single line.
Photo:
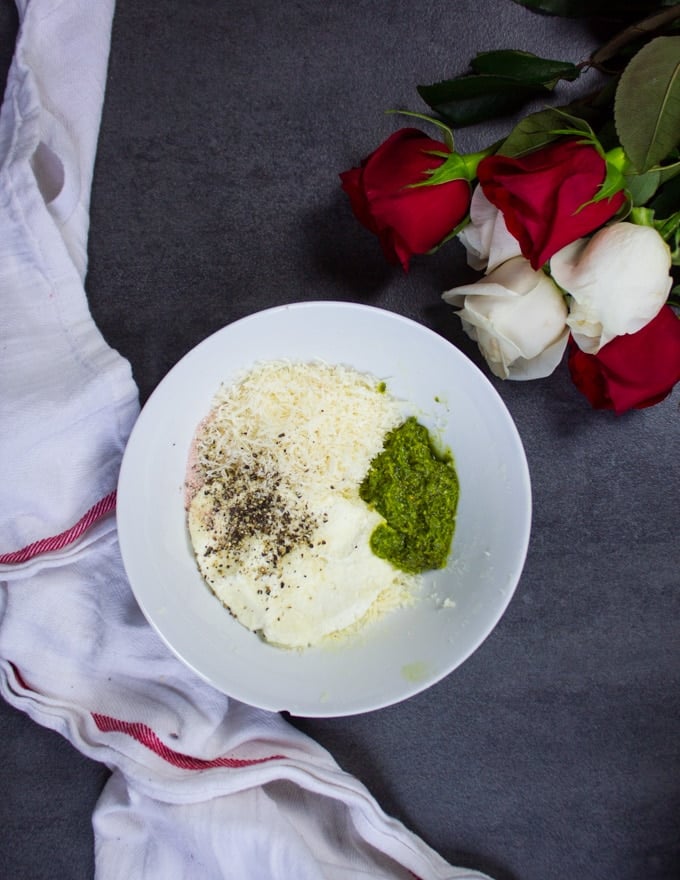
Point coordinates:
[(144, 735), (45, 545)]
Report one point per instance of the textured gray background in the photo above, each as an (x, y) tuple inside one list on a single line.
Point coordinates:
[(553, 752)]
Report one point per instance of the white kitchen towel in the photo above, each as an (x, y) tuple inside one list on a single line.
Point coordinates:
[(201, 785)]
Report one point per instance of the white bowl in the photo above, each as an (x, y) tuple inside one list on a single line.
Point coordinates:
[(407, 650)]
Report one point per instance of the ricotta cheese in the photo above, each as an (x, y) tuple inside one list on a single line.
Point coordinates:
[(279, 531)]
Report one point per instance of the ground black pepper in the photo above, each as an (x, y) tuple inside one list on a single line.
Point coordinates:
[(249, 503)]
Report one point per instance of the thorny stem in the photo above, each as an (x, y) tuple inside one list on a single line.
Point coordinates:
[(647, 26)]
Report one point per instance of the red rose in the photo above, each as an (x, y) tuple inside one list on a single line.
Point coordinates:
[(540, 195), (407, 220), (633, 370)]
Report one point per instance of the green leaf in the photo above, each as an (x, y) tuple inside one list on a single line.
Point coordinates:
[(658, 188), (524, 67), (538, 129), (671, 235), (468, 100), (668, 227), (641, 187), (666, 201), (647, 104)]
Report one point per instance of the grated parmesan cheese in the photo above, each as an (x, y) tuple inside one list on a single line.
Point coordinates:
[(279, 531)]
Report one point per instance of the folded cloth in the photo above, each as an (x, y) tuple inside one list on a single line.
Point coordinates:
[(201, 785)]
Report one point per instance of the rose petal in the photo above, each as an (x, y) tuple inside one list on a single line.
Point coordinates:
[(512, 278), (543, 364), (486, 238), (547, 195), (517, 316), (618, 280), (407, 219), (498, 351), (632, 371)]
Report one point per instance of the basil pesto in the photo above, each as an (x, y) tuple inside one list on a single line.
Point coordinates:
[(415, 489)]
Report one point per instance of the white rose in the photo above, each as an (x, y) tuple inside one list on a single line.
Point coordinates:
[(618, 280), (517, 316), (486, 238)]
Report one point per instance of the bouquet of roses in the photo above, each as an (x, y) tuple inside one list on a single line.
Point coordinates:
[(573, 218)]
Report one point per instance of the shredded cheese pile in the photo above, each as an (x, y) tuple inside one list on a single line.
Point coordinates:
[(279, 531)]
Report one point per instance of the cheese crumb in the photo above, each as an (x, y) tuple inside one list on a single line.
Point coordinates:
[(279, 531)]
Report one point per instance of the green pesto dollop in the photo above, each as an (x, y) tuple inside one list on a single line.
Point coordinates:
[(415, 489)]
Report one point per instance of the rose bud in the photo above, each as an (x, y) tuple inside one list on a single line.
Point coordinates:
[(633, 371), (390, 195), (547, 195), (618, 280), (517, 316)]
